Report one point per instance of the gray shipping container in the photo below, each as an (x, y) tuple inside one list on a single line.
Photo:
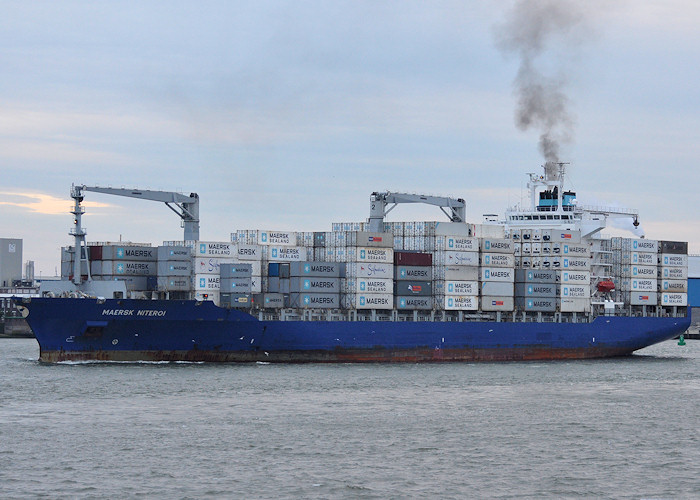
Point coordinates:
[(235, 285), (535, 276), (535, 290), (133, 283), (413, 288), (129, 267), (413, 303), (273, 284), (235, 270), (461, 273), (127, 252), (174, 268), (314, 285), (314, 300), (673, 247), (173, 253), (269, 300), (496, 288), (327, 269), (413, 273), (497, 303), (236, 300), (536, 304), (174, 283)]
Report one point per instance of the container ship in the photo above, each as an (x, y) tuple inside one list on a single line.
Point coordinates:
[(541, 284)]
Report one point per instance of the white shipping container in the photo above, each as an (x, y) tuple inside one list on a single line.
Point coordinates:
[(497, 260), (214, 249), (286, 253), (211, 265), (575, 291), (496, 245), (673, 273), (367, 239), (576, 263), (453, 287), (461, 303), (368, 301), (174, 268), (454, 258), (370, 254), (640, 284), (643, 298), (279, 238), (569, 304), (248, 252), (644, 271), (575, 250), (643, 258), (677, 286), (371, 270), (497, 274), (460, 273), (497, 289), (674, 299), (560, 236), (206, 282), (491, 304), (673, 260), (644, 245), (457, 243)]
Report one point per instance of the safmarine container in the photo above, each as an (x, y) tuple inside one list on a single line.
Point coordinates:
[(536, 304), (461, 303), (210, 265), (413, 272), (497, 288), (413, 288), (366, 301), (497, 260), (493, 304), (313, 300), (170, 253), (458, 258), (316, 284), (413, 303), (369, 270), (489, 245), (536, 290), (327, 269)]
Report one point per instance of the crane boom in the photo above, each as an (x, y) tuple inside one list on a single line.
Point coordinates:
[(379, 201), (186, 207)]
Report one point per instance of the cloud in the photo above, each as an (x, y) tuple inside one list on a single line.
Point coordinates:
[(43, 203)]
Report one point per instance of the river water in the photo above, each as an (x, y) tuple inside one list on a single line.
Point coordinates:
[(620, 428)]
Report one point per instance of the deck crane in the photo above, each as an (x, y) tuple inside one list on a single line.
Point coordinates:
[(379, 201), (186, 207)]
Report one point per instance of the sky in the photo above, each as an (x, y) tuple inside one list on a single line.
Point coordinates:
[(288, 114)]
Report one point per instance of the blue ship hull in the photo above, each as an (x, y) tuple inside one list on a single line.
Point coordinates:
[(137, 330)]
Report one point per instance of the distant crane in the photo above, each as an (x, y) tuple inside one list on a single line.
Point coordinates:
[(379, 201), (186, 207)]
